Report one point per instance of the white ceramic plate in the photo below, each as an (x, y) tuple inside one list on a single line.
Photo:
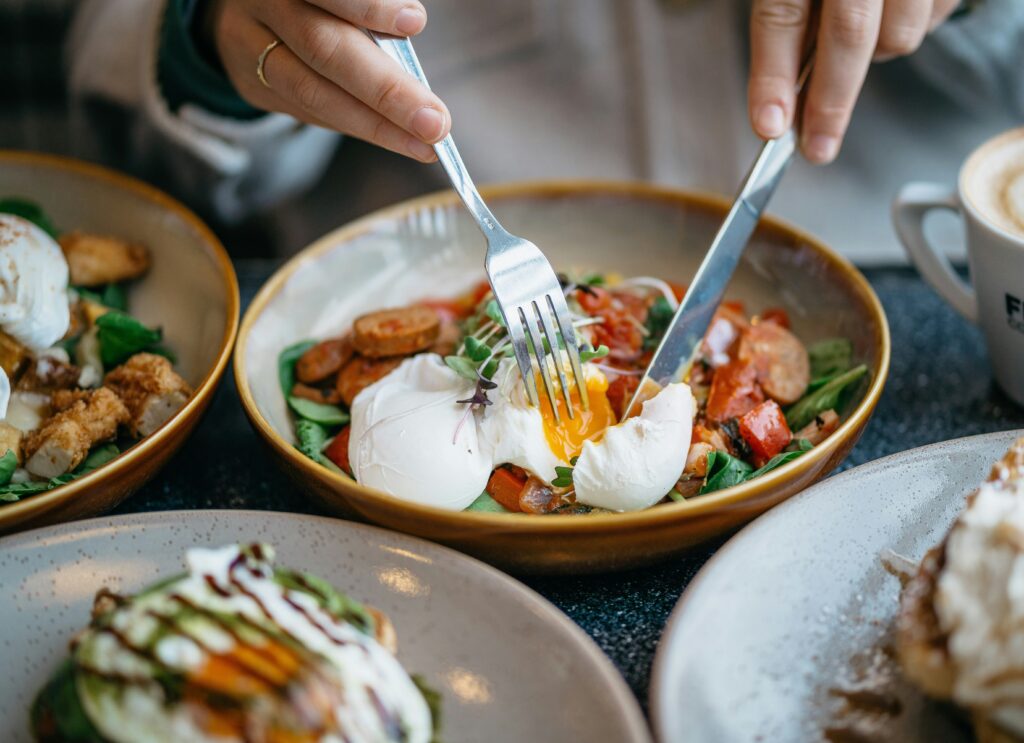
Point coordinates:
[(510, 666), (794, 605)]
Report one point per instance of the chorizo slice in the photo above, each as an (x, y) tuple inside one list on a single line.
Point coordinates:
[(323, 395), (399, 332), (360, 373), (323, 360), (783, 367)]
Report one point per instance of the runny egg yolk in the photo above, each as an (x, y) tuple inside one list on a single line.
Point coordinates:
[(566, 439)]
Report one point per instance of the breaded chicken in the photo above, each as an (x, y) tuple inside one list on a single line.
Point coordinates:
[(922, 644), (98, 259), (10, 440), (64, 439), (151, 390), (13, 355), (47, 374)]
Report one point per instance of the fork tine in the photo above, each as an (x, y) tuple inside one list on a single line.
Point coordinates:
[(562, 316), (530, 321), (522, 352), (552, 336)]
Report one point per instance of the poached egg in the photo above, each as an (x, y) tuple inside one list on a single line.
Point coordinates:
[(34, 306), (411, 438)]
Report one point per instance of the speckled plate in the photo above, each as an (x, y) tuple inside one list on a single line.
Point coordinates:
[(799, 605), (510, 666)]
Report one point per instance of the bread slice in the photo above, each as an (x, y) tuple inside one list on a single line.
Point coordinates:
[(921, 644)]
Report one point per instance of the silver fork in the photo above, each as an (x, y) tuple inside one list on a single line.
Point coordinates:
[(525, 286)]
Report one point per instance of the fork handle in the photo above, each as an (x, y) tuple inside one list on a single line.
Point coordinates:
[(399, 48)]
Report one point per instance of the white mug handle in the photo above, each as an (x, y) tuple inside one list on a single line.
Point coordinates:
[(909, 209)]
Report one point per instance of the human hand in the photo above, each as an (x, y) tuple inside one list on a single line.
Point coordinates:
[(326, 71), (850, 34)]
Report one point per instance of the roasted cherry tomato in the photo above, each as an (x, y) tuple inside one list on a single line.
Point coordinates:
[(337, 450), (765, 430), (734, 392)]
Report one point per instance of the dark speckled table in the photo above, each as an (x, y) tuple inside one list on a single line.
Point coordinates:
[(939, 388)]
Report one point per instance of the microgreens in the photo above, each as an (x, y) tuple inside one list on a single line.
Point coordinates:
[(563, 475), (589, 353)]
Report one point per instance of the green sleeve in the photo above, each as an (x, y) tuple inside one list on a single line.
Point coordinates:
[(185, 75)]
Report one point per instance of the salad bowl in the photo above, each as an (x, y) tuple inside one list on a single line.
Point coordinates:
[(622, 228), (190, 293)]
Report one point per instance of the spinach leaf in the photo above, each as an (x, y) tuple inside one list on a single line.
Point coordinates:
[(658, 318), (724, 471), (122, 336), (486, 504), (286, 364), (31, 211), (8, 463), (97, 458), (433, 699), (326, 415), (59, 706), (826, 397), (802, 447), (112, 296), (312, 438), (830, 357)]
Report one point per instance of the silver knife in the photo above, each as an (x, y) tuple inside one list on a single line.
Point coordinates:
[(678, 347)]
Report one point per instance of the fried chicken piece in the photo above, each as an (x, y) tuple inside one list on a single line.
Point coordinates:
[(151, 390), (98, 259), (47, 374), (64, 440), (13, 355), (10, 440)]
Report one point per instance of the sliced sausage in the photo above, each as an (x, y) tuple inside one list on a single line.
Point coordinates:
[(820, 428), (396, 332), (360, 373), (323, 360), (783, 367), (326, 396)]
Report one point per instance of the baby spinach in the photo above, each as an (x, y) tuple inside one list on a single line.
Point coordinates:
[(830, 357), (31, 211), (318, 412), (659, 316), (286, 364), (112, 296), (826, 397), (8, 463), (589, 353), (312, 438), (486, 504), (96, 459), (122, 336), (725, 470)]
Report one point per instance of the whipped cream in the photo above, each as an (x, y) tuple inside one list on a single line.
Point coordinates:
[(980, 602)]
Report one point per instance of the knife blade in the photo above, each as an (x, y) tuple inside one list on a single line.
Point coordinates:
[(685, 332)]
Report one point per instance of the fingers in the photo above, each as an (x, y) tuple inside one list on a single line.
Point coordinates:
[(397, 17), (904, 26), (847, 36), (777, 31), (299, 91), (941, 11), (343, 54)]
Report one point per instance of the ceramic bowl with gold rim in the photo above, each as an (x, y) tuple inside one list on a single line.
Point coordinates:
[(190, 291), (624, 228)]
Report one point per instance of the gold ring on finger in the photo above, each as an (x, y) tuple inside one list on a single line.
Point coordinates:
[(263, 60)]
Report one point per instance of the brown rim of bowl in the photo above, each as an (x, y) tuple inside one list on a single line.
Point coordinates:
[(203, 391), (558, 522)]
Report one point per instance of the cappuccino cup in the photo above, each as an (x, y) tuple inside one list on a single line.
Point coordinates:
[(990, 199)]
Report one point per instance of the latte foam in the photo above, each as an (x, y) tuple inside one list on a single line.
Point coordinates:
[(993, 181)]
